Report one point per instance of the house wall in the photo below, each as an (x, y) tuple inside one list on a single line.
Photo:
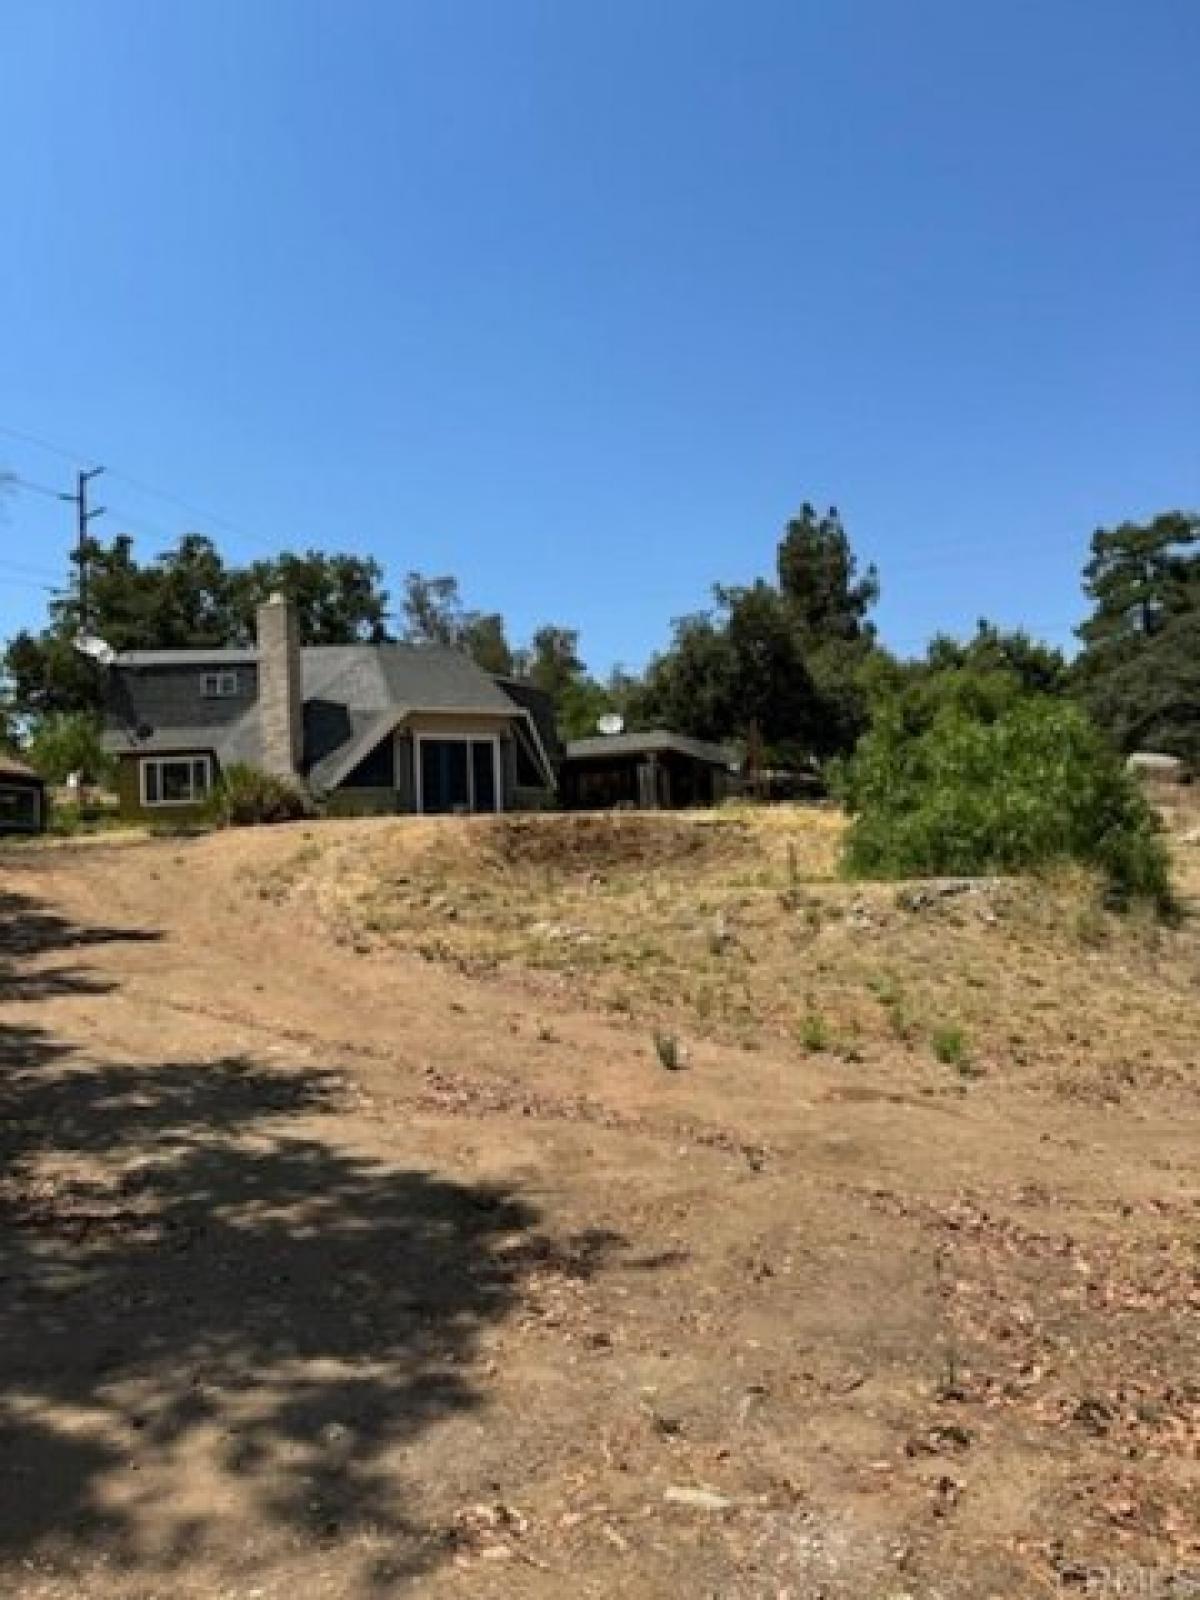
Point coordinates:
[(362, 802), (452, 727), (676, 781)]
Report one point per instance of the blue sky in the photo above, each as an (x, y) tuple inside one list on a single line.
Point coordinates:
[(579, 300)]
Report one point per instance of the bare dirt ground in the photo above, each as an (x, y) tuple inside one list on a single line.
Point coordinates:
[(355, 1239)]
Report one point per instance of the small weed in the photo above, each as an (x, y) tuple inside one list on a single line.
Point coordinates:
[(1090, 927), (814, 1033), (950, 1047), (901, 1022), (889, 991), (669, 1051), (886, 988), (949, 1385)]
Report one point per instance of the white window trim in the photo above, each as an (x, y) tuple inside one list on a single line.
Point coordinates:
[(225, 684), (146, 762), (468, 739)]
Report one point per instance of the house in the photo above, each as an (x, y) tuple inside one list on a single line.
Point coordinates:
[(22, 797), (366, 728), (648, 770)]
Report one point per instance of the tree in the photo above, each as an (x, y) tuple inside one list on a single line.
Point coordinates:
[(434, 614), (818, 578), (185, 598), (432, 609), (339, 599), (1139, 577), (67, 742), (1038, 668), (1139, 670), (740, 664), (690, 686), (485, 640), (788, 658), (553, 660)]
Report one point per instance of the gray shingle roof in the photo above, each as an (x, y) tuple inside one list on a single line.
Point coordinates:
[(353, 695), (237, 741), (218, 656), (643, 744)]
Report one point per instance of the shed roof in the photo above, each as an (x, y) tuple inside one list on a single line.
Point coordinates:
[(655, 742), (217, 656), (10, 767)]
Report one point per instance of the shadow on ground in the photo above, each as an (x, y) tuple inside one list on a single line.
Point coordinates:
[(29, 929), (209, 1308)]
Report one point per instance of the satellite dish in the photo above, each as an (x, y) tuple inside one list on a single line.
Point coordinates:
[(611, 722), (98, 649)]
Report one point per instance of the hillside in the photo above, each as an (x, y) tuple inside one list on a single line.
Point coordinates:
[(358, 1239)]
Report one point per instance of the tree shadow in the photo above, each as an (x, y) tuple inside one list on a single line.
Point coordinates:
[(29, 930), (199, 1268)]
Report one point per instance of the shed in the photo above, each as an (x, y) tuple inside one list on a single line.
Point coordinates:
[(651, 770), (22, 797)]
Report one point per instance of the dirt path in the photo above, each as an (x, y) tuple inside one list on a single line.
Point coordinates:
[(335, 1273)]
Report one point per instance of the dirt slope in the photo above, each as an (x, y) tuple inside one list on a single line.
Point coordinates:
[(357, 1242)]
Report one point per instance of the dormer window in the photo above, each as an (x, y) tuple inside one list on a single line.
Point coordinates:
[(219, 685)]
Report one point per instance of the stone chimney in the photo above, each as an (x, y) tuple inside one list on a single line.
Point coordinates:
[(280, 690)]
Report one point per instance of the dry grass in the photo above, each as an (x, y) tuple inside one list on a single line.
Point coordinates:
[(926, 1325), (734, 926)]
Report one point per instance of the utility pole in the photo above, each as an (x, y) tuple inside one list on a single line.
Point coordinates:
[(79, 501)]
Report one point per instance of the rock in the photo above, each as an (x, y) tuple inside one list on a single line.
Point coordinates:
[(698, 1499)]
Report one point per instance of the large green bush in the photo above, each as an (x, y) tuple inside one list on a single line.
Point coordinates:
[(245, 797), (62, 742), (1021, 785)]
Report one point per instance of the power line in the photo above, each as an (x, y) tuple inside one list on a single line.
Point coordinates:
[(24, 566), (210, 517), (29, 583), (135, 521), (74, 456), (19, 482), (143, 486)]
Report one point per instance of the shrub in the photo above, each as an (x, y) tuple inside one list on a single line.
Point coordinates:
[(245, 797), (814, 1033), (63, 742), (950, 1046), (1029, 787)]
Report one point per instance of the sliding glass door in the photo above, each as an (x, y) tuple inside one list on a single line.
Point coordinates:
[(458, 775)]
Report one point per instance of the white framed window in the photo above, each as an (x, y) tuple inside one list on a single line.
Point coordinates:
[(219, 685), (175, 780)]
